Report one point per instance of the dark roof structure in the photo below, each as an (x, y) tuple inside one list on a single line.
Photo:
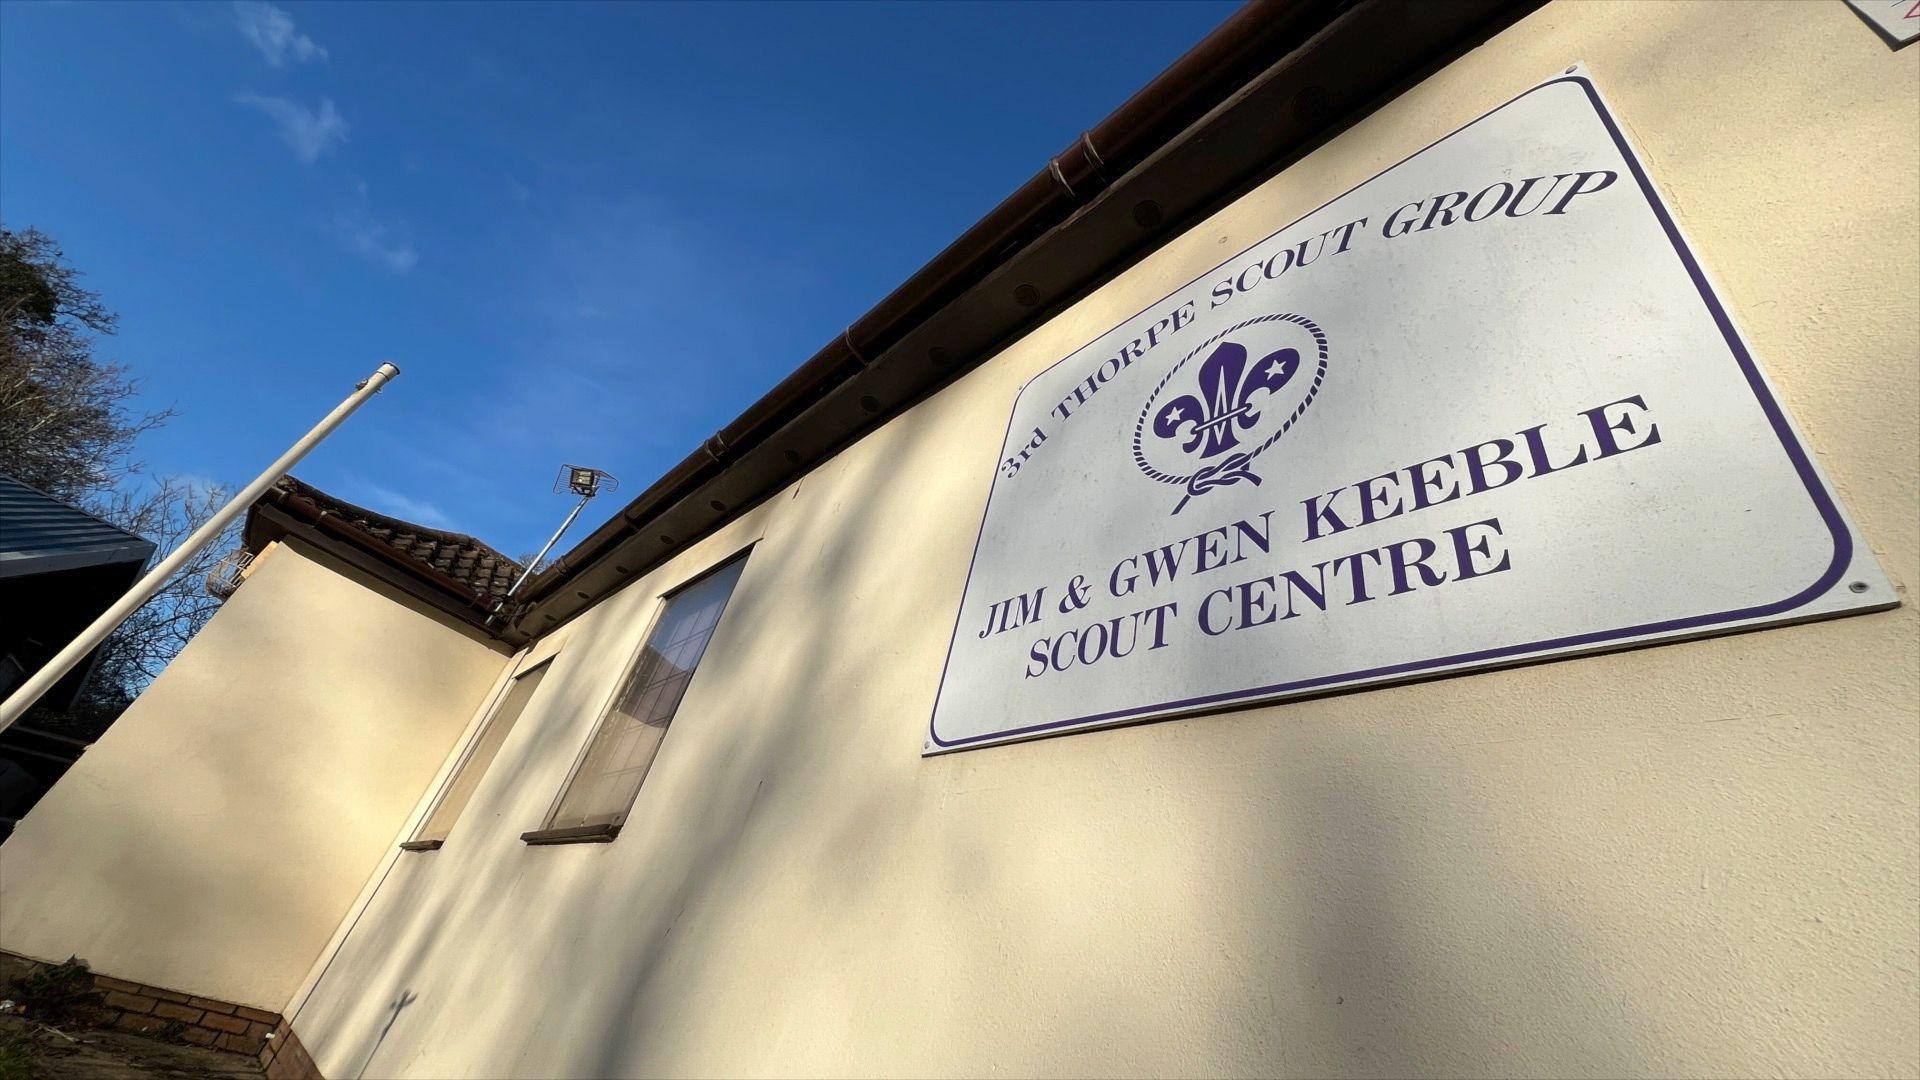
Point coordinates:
[(455, 572), (60, 567), (40, 534)]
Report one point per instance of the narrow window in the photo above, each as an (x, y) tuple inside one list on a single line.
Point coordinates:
[(600, 794), (480, 754)]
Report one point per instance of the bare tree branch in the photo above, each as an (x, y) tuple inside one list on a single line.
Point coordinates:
[(68, 426)]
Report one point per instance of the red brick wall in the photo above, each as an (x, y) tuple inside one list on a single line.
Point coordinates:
[(154, 1010), (285, 1058)]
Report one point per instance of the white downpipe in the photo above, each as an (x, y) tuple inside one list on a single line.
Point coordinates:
[(110, 620)]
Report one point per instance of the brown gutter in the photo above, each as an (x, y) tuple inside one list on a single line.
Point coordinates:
[(1274, 80), (1217, 65), (1195, 83)]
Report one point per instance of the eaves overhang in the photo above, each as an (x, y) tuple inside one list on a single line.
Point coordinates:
[(40, 534), (387, 549)]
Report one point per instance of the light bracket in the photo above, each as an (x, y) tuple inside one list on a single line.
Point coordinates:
[(584, 482)]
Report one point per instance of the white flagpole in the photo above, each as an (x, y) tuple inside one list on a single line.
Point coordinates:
[(110, 620)]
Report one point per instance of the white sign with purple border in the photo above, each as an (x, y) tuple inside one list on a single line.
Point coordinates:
[(1484, 408), (1897, 20)]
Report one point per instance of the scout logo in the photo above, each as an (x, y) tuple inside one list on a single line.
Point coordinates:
[(1204, 424)]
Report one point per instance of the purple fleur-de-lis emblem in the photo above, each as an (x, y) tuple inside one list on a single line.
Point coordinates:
[(1229, 401), (1233, 408)]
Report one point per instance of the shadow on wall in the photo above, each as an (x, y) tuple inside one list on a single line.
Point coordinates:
[(788, 790), (406, 998), (1425, 951), (594, 957), (798, 891)]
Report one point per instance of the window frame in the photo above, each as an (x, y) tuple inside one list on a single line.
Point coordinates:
[(501, 696), (606, 832)]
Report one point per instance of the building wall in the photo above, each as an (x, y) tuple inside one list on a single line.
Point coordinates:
[(1696, 859), (215, 837)]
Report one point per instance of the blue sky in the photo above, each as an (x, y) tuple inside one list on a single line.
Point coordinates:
[(586, 233)]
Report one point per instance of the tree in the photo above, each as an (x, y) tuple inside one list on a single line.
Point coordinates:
[(165, 512), (68, 426)]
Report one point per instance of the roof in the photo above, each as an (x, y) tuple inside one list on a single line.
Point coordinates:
[(454, 563), (39, 534)]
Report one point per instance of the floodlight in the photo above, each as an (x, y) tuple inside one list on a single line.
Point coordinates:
[(584, 482)]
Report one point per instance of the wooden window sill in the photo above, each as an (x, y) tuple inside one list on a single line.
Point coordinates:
[(575, 834)]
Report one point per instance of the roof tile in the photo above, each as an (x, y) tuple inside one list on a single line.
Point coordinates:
[(468, 561)]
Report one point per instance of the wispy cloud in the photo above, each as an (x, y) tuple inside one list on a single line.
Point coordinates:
[(308, 132), (388, 501), (201, 485), (380, 243), (273, 33)]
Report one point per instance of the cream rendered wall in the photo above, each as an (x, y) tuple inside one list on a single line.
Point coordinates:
[(215, 837), (1687, 860)]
